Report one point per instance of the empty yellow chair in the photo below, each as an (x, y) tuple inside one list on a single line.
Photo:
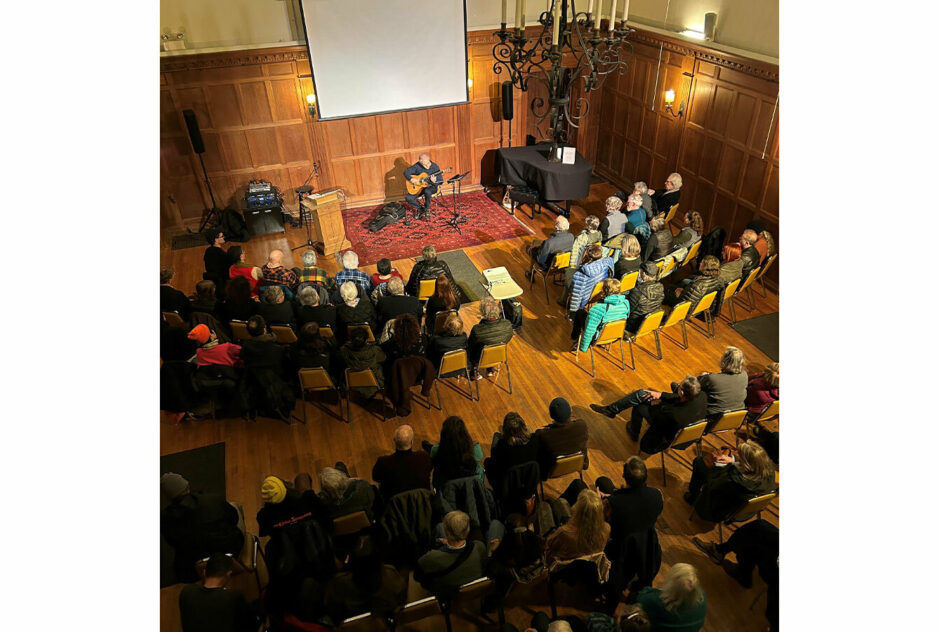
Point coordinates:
[(317, 380), (284, 334), (452, 362), (704, 307), (494, 356), (649, 325), (726, 296), (678, 316), (362, 379), (686, 437)]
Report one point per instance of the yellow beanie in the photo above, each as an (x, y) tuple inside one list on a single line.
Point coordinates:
[(273, 490)]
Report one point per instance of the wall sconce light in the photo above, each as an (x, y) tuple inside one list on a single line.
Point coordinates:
[(469, 83), (312, 104), (669, 100)]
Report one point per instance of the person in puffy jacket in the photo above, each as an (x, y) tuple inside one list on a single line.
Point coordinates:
[(646, 297), (428, 268), (698, 286), (597, 269), (609, 305), (660, 242)]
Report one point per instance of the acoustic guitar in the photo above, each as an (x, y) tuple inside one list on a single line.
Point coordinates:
[(424, 179)]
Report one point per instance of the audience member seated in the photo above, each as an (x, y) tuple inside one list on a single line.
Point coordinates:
[(396, 302), (239, 268), (274, 309), (731, 264), (455, 455), (692, 231), (749, 254), (722, 484), (515, 445), (452, 338), (351, 272), (407, 340), (205, 300), (666, 413), (211, 352), (342, 495), (660, 242), (216, 259), (588, 275), (175, 344), (629, 260), (385, 273), (310, 273), (765, 241), (519, 555), (679, 604), (492, 329), (265, 379), (456, 561), (588, 235), (562, 437), (585, 534), (359, 355), (646, 296), (756, 543), (365, 585), (404, 469), (196, 525), (309, 309), (274, 272), (636, 214), (634, 550), (353, 310), (171, 299), (313, 351), (648, 205), (285, 505), (443, 299), (695, 288), (608, 305), (762, 389), (430, 267), (669, 196), (211, 607), (725, 390), (561, 240), (615, 223), (239, 304)]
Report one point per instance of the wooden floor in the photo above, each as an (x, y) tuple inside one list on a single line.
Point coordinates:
[(542, 369)]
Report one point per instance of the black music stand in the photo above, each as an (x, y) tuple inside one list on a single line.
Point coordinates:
[(305, 189), (457, 218)]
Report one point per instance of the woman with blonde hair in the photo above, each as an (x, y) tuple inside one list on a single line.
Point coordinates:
[(679, 604), (453, 338), (629, 260), (608, 305), (586, 533), (717, 491)]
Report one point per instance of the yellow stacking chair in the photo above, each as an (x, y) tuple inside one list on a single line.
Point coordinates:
[(704, 307), (678, 316), (611, 332), (317, 380)]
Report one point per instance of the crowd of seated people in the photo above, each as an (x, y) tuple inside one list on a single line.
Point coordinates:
[(319, 577), (320, 311)]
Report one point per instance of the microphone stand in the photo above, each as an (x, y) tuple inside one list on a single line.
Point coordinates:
[(301, 190)]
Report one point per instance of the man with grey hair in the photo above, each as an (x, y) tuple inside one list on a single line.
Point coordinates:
[(646, 202), (310, 273), (492, 329), (726, 390), (561, 240), (404, 469), (397, 302), (636, 214), (309, 309), (274, 272), (429, 268), (351, 272), (412, 173), (343, 495), (450, 565), (666, 198), (749, 254)]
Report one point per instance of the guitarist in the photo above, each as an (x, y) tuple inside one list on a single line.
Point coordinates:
[(424, 165)]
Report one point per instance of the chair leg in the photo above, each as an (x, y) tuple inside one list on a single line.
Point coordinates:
[(762, 286), (662, 455), (710, 322), (721, 539), (659, 349), (509, 377), (632, 357), (731, 307), (303, 406), (437, 388), (382, 403), (545, 285), (348, 418), (591, 349), (685, 335), (623, 364)]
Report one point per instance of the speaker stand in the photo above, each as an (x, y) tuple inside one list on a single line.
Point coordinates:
[(208, 214)]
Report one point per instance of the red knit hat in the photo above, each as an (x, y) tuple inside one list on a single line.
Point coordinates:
[(200, 333)]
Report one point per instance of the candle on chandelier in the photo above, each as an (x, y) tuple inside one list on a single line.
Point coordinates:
[(613, 12), (556, 23), (504, 13), (520, 14), (626, 7)]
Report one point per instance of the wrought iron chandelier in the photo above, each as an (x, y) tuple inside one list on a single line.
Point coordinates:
[(596, 50)]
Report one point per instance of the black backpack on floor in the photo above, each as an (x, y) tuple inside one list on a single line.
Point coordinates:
[(513, 310), (389, 214)]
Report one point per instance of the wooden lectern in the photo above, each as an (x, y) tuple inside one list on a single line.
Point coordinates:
[(326, 218)]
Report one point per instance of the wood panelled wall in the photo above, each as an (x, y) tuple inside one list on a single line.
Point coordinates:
[(725, 146), (253, 116)]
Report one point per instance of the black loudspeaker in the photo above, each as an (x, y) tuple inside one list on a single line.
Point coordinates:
[(195, 136), (507, 100)]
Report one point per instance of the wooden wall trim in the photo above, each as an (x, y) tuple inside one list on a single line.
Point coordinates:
[(753, 67), (234, 58)]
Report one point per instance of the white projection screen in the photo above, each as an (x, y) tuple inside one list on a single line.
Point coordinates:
[(373, 56)]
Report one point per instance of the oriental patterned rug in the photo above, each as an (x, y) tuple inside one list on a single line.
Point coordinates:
[(487, 221)]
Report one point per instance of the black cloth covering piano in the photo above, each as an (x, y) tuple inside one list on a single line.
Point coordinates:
[(555, 181)]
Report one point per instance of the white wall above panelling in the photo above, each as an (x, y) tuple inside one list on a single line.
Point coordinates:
[(749, 25)]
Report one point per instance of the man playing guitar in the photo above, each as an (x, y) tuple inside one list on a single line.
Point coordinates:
[(427, 174)]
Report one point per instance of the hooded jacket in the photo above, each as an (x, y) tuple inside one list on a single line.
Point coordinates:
[(611, 308)]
